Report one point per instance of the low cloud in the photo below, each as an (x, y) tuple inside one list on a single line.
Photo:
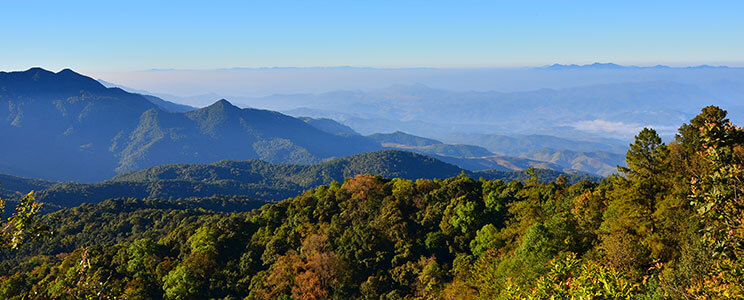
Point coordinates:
[(618, 129)]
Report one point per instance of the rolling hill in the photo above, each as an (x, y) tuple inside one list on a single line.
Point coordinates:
[(596, 162), (259, 179)]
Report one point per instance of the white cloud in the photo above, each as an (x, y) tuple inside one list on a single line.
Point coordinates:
[(619, 129)]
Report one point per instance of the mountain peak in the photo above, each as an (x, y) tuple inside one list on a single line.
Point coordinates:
[(37, 69), (38, 78), (223, 104), (68, 72), (220, 107)]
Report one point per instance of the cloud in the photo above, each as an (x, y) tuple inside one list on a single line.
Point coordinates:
[(620, 129)]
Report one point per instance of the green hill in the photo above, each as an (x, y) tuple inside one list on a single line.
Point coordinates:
[(259, 179)]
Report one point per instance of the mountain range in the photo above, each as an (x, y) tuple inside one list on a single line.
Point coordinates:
[(65, 126)]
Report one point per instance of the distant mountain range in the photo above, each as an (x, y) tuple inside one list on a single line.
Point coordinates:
[(605, 111), (598, 65), (595, 162), (242, 85), (66, 126)]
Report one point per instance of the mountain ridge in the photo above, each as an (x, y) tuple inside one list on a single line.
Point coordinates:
[(259, 179), (99, 131)]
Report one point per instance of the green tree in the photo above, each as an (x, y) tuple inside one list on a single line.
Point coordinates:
[(23, 224)]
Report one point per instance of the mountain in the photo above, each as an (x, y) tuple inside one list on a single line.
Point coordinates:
[(223, 131), (163, 104), (167, 105), (329, 126), (404, 141), (447, 150), (522, 148), (596, 65), (501, 163), (259, 179), (596, 162), (253, 178), (402, 138), (15, 187), (517, 145), (614, 66), (61, 125), (96, 132), (589, 111)]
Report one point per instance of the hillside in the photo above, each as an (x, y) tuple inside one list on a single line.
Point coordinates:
[(163, 104), (259, 179), (13, 187), (500, 162), (597, 162), (329, 126), (97, 132), (518, 145), (224, 131), (402, 138)]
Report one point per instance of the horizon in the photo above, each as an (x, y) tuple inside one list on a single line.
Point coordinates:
[(188, 85), (555, 64)]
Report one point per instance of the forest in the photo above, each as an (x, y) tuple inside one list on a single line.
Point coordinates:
[(667, 226)]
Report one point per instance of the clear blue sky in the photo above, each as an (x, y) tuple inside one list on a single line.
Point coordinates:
[(98, 36)]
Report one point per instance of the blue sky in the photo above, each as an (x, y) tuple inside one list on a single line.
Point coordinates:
[(101, 36)]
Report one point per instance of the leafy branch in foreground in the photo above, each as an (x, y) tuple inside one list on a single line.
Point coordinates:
[(23, 224)]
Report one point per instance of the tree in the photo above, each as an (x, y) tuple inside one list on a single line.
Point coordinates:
[(718, 196), (23, 224)]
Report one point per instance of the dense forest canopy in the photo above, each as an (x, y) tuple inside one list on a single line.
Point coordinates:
[(669, 226)]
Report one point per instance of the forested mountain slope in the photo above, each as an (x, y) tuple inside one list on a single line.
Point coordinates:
[(259, 179), (14, 187)]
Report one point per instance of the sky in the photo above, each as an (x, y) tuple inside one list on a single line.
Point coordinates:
[(96, 37)]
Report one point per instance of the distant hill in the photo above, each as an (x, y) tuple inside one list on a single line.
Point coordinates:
[(96, 132), (163, 104), (259, 179), (596, 162), (167, 105), (402, 138), (501, 162), (404, 141), (477, 158), (329, 126), (451, 150), (590, 109), (14, 187), (517, 145)]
